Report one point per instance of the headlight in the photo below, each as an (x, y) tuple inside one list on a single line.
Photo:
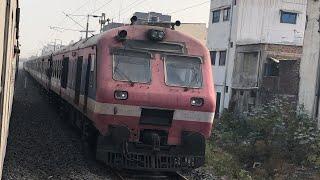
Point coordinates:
[(122, 35), (121, 95), (156, 35), (197, 101)]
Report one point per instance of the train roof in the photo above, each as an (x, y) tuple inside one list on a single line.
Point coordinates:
[(93, 40), (83, 43)]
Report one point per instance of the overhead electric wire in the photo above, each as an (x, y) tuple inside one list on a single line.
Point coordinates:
[(76, 22), (129, 5), (74, 11), (171, 13), (79, 15), (98, 9), (143, 1), (73, 20), (67, 29), (94, 11), (129, 10), (101, 7), (190, 7), (80, 7)]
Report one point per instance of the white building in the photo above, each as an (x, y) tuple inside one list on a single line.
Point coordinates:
[(235, 23), (309, 94)]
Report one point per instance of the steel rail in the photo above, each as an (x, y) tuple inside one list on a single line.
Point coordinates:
[(122, 175)]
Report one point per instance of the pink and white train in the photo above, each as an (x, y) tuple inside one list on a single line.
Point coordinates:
[(142, 95)]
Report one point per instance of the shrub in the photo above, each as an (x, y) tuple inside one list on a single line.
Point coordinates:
[(268, 133), (224, 164)]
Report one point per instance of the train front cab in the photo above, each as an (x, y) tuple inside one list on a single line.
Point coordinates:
[(149, 118)]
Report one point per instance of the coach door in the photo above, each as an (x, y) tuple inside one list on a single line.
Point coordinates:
[(87, 82), (78, 80)]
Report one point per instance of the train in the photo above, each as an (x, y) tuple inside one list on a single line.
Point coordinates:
[(142, 95), (9, 55)]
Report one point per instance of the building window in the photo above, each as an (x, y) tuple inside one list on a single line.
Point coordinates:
[(271, 68), (213, 55), (223, 57), (226, 14), (253, 94), (288, 17), (216, 16), (218, 100), (241, 93)]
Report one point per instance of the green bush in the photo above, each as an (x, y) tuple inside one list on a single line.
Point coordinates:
[(268, 133), (224, 164)]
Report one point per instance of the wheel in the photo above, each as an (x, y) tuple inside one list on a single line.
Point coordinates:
[(88, 139)]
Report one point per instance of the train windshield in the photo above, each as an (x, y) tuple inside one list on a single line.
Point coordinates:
[(132, 67), (183, 71)]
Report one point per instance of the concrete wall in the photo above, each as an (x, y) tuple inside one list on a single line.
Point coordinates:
[(218, 40), (218, 33), (260, 22), (310, 60)]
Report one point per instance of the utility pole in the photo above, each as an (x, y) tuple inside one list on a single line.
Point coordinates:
[(103, 21), (55, 44), (87, 26), (87, 30)]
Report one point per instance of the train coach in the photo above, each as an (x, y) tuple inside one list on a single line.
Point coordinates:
[(9, 54), (142, 95)]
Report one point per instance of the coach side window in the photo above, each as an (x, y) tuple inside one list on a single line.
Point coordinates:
[(92, 59), (56, 69), (60, 69), (53, 69), (65, 69)]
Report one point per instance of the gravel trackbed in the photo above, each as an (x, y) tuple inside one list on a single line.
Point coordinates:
[(40, 144)]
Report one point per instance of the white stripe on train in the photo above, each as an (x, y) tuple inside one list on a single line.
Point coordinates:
[(135, 111)]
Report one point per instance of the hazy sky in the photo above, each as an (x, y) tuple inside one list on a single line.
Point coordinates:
[(38, 15)]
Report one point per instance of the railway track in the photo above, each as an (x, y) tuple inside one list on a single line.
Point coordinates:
[(134, 175)]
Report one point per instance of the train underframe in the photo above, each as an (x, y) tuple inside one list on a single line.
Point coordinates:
[(149, 155)]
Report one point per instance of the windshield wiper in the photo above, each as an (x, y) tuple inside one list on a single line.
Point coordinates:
[(193, 80), (124, 75)]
